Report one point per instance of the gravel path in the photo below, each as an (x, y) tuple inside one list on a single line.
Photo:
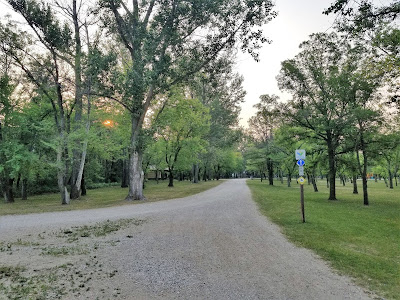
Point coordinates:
[(214, 245)]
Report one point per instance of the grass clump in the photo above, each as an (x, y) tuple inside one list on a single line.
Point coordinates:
[(63, 251), (363, 242), (14, 285), (10, 272), (97, 230), (104, 197)]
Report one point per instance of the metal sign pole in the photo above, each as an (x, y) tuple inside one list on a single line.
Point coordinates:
[(300, 157), (302, 202)]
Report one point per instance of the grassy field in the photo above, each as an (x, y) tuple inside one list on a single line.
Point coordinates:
[(104, 197), (363, 242)]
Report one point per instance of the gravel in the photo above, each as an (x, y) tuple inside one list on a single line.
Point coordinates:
[(213, 245)]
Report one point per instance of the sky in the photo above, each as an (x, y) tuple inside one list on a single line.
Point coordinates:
[(296, 20)]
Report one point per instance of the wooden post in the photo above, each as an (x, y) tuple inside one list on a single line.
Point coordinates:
[(302, 202)]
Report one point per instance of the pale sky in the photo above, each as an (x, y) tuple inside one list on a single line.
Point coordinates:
[(296, 20)]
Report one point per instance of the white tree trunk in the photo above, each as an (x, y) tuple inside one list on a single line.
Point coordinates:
[(136, 177), (65, 198), (81, 167)]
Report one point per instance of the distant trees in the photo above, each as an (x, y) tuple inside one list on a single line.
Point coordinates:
[(261, 129), (180, 130), (221, 91), (167, 42), (332, 95), (54, 61), (71, 59), (336, 107)]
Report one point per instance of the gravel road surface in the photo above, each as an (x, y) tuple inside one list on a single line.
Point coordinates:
[(213, 245)]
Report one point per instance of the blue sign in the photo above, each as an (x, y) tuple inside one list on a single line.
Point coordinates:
[(300, 162)]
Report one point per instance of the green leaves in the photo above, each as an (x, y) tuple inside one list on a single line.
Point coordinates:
[(41, 17), (181, 127)]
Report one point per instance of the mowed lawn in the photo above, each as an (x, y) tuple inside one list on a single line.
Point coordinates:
[(105, 197), (363, 242)]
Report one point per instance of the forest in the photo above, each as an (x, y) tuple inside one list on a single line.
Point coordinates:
[(118, 93)]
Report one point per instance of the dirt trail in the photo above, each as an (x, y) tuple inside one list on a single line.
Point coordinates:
[(213, 245)]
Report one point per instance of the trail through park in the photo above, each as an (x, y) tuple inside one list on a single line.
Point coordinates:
[(213, 245)]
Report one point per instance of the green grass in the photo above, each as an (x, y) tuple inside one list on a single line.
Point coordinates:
[(363, 242), (104, 197)]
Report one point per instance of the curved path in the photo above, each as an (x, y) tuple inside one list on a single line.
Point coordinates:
[(213, 245)]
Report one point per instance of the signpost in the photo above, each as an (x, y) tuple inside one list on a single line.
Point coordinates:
[(300, 157), (301, 170), (300, 154)]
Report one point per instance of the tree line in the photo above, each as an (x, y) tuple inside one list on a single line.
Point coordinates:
[(159, 72), (344, 108), (107, 92)]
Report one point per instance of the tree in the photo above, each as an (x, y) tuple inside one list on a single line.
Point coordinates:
[(318, 78), (375, 26), (358, 17), (388, 154), (220, 90), (255, 160), (180, 129), (52, 60), (261, 128), (9, 148), (22, 130), (367, 120), (287, 139), (154, 156), (169, 41)]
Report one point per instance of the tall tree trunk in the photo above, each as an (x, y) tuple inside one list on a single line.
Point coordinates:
[(18, 180), (125, 173), (196, 173), (11, 190), (332, 171), (343, 180), (205, 174), (83, 185), (136, 177), (355, 188), (270, 172), (24, 189), (363, 168), (390, 178), (314, 183), (191, 176), (170, 178), (218, 172), (7, 187), (76, 189), (157, 176), (289, 179), (79, 154), (65, 199), (364, 180)]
